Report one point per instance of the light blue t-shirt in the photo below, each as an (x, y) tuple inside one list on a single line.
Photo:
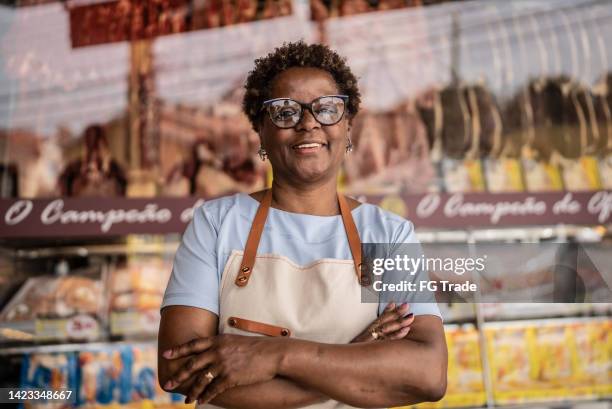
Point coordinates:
[(222, 225)]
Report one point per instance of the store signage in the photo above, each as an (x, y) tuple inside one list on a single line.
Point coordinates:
[(78, 328), (461, 210), (77, 217), (95, 216)]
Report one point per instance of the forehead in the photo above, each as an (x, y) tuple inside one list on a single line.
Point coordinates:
[(303, 84)]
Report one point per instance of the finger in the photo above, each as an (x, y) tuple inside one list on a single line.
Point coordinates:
[(390, 306), (399, 334), (394, 314), (217, 386), (193, 364), (200, 384), (398, 324), (194, 346)]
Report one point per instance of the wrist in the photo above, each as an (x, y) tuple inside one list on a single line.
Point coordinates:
[(275, 351), (281, 348)]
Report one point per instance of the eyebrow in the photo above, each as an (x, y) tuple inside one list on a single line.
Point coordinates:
[(304, 102)]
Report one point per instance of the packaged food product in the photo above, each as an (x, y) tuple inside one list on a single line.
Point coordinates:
[(541, 176), (105, 376), (509, 362), (124, 375), (55, 297), (137, 291), (592, 357), (581, 173), (463, 175), (466, 382), (50, 371), (551, 362), (605, 170), (145, 385), (140, 284), (503, 175), (33, 299)]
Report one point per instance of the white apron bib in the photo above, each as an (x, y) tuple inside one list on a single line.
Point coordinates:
[(270, 295)]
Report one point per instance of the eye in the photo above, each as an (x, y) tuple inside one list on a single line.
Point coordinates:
[(327, 109), (284, 113)]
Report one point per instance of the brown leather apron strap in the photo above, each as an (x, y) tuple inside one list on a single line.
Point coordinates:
[(250, 250), (353, 236), (258, 327)]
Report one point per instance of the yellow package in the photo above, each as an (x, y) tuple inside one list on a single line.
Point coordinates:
[(509, 360)]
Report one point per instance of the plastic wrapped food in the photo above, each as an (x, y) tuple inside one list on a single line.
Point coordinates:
[(140, 285), (55, 297)]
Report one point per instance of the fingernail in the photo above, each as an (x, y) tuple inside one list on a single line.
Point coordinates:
[(168, 354), (410, 315), (169, 385)]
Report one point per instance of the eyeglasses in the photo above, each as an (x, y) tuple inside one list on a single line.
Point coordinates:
[(286, 113)]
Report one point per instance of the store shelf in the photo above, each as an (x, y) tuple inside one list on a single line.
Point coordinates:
[(73, 347), (105, 250), (528, 234)]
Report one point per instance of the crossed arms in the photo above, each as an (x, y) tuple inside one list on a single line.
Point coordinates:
[(407, 367)]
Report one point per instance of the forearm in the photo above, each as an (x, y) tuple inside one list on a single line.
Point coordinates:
[(378, 380), (278, 393)]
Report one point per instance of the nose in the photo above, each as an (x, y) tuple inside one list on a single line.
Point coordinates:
[(308, 122)]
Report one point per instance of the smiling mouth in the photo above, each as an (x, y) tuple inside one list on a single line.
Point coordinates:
[(308, 147)]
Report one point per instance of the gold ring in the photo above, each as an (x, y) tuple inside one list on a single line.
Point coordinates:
[(208, 375)]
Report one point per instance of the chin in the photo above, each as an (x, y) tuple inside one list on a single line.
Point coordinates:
[(310, 175)]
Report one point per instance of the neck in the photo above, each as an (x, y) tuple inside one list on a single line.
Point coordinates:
[(319, 200)]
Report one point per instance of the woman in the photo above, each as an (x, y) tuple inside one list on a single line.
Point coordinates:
[(283, 263)]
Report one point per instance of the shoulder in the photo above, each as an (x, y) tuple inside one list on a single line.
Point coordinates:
[(379, 225), (216, 211)]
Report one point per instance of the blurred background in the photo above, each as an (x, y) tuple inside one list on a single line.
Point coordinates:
[(481, 122)]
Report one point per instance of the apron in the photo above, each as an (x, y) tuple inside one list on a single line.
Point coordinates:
[(270, 295)]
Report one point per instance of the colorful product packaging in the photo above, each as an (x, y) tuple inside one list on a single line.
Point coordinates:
[(544, 360), (50, 371)]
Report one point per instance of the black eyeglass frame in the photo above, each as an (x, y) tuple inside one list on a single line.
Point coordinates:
[(305, 106)]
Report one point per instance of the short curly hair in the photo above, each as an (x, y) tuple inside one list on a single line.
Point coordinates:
[(297, 54)]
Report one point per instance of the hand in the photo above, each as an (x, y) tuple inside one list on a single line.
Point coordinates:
[(221, 362), (391, 324)]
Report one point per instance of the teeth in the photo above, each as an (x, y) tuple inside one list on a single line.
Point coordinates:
[(308, 145)]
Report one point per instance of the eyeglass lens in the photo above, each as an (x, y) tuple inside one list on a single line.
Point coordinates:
[(286, 113)]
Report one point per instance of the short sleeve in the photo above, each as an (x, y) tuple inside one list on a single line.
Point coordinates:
[(194, 281), (422, 302)]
